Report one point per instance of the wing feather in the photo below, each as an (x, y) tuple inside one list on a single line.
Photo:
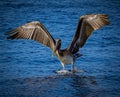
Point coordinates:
[(86, 25), (35, 31)]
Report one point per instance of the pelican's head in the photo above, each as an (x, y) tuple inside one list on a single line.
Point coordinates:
[(57, 45)]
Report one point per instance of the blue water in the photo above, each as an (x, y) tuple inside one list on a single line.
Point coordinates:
[(27, 68)]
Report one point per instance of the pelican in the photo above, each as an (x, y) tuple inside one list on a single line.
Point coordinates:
[(37, 31)]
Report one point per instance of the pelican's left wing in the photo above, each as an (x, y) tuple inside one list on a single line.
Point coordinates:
[(86, 25), (35, 31)]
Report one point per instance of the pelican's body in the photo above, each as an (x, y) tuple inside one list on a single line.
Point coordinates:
[(65, 57), (36, 31)]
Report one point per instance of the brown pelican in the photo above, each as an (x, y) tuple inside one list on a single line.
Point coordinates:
[(36, 31)]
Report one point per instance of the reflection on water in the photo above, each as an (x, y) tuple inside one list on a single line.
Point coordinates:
[(55, 86)]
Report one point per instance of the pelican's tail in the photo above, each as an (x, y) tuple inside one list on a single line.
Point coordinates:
[(77, 55)]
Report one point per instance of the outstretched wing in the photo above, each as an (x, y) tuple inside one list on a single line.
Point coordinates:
[(35, 31), (86, 25)]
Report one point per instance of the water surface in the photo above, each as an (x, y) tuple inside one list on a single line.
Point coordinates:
[(27, 68)]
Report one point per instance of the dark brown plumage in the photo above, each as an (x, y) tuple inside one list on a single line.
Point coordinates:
[(36, 31), (86, 25)]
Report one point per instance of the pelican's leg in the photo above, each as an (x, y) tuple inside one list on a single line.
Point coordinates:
[(63, 66), (73, 68), (63, 71)]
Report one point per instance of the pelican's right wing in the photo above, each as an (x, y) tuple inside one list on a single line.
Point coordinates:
[(35, 31)]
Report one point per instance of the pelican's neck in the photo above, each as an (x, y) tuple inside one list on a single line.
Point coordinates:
[(58, 51), (58, 46)]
